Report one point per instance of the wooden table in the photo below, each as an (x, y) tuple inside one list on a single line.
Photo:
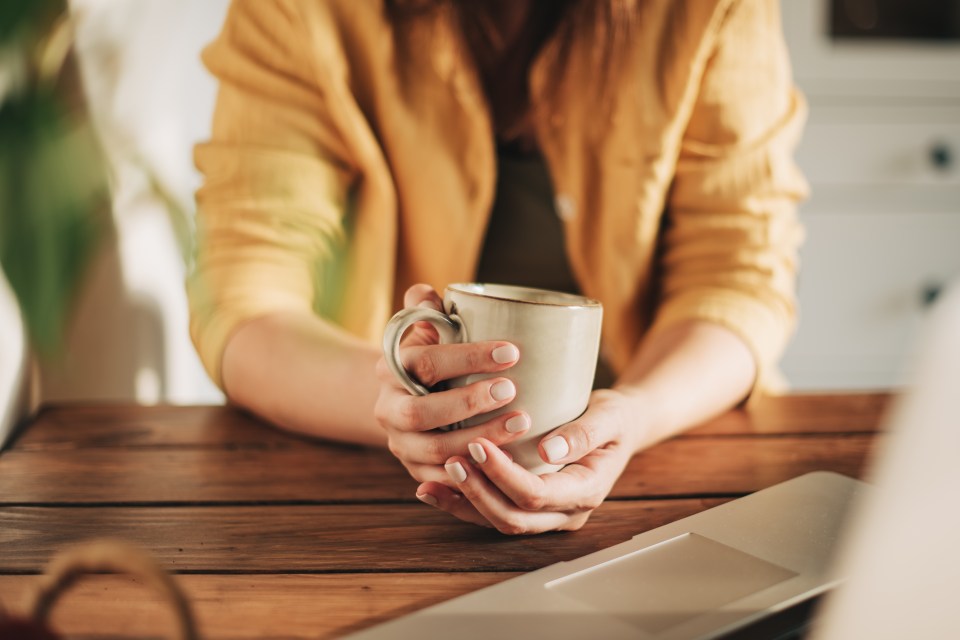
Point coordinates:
[(275, 535)]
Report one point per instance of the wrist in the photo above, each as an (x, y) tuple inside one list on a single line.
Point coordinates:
[(636, 414)]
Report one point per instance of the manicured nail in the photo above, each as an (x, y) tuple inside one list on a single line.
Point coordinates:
[(456, 472), (503, 390), (556, 448), (516, 424), (506, 353), (477, 452), (426, 498)]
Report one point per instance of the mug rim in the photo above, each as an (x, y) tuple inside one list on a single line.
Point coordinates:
[(470, 289)]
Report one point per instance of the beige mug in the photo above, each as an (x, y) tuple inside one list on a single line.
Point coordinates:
[(558, 335)]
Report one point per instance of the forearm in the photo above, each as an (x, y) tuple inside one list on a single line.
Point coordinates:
[(685, 375), (303, 374)]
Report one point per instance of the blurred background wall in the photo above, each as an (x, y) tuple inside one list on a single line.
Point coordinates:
[(880, 151), (150, 100)]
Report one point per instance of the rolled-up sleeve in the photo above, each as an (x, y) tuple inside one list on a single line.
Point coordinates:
[(276, 178), (729, 245)]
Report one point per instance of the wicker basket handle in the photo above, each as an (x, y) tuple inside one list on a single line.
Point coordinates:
[(110, 556)]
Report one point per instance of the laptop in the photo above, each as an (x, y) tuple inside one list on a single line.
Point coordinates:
[(757, 567), (901, 555)]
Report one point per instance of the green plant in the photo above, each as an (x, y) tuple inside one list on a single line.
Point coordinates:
[(53, 183)]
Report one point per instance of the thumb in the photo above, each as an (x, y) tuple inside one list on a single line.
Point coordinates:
[(574, 440)]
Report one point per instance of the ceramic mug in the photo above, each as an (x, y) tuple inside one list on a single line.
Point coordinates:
[(558, 335)]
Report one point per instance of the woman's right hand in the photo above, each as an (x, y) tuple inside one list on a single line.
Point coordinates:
[(411, 422)]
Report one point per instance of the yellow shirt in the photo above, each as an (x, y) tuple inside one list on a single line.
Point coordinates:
[(345, 166)]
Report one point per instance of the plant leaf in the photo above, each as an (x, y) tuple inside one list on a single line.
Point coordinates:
[(53, 195)]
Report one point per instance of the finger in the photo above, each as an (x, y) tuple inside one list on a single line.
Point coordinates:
[(444, 498), (437, 362), (435, 447), (404, 412), (429, 473), (422, 295), (575, 487), (576, 439), (507, 517), (420, 333)]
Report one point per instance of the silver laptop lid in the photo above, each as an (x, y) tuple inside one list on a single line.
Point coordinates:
[(902, 556), (699, 577)]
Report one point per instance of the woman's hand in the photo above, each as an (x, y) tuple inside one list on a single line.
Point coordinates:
[(492, 490), (411, 421)]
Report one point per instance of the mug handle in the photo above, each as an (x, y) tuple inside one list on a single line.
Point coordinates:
[(450, 327)]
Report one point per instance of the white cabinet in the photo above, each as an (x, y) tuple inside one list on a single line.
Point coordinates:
[(875, 148), (864, 282), (859, 69), (882, 153)]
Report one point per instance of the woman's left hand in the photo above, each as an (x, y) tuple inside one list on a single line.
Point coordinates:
[(496, 492)]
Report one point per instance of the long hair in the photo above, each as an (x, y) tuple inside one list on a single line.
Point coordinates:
[(606, 25)]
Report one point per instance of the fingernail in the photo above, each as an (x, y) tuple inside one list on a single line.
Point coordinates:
[(430, 304), (556, 448), (477, 452), (516, 424), (506, 353), (456, 472), (426, 498), (503, 390)]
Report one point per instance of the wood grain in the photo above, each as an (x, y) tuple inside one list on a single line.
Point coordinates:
[(248, 606), (803, 414), (330, 538), (115, 425), (331, 473), (278, 535), (726, 466), (328, 473), (107, 425)]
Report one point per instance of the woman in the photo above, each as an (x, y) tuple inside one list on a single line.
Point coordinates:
[(366, 153)]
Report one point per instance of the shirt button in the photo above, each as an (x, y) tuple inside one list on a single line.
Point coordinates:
[(566, 208)]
